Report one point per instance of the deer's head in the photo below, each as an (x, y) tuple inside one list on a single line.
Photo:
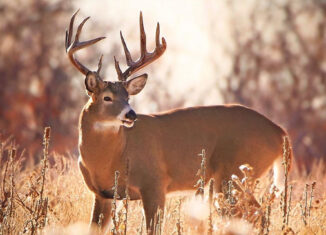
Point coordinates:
[(109, 101)]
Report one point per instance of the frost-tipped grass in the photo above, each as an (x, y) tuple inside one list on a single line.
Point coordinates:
[(210, 201), (200, 185), (286, 164), (114, 216)]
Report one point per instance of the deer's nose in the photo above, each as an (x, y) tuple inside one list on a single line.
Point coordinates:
[(131, 115)]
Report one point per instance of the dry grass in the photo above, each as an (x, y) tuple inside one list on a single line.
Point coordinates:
[(51, 198)]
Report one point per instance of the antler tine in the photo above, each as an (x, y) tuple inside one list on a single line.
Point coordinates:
[(79, 29), (70, 32), (157, 36), (117, 68), (159, 46), (145, 57), (72, 47), (143, 50), (125, 48), (99, 66)]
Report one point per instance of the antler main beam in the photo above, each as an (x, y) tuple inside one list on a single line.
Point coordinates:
[(72, 47), (145, 57)]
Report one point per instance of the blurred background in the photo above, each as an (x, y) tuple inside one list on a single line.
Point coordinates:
[(268, 55)]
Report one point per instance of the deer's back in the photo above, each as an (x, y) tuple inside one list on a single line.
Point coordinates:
[(231, 136)]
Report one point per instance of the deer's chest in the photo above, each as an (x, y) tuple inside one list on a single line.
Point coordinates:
[(101, 161)]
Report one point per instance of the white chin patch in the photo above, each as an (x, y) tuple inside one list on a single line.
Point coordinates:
[(128, 124)]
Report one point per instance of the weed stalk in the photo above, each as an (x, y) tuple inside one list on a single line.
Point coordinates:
[(285, 163)]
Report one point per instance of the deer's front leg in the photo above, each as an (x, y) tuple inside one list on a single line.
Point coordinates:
[(153, 199), (101, 206)]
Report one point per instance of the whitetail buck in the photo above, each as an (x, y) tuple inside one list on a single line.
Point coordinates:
[(161, 148)]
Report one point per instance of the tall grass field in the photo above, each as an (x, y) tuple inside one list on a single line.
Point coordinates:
[(50, 197)]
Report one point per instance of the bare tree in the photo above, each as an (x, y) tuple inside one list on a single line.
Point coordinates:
[(278, 67), (35, 87)]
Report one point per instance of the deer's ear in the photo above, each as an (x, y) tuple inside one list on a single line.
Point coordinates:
[(93, 83), (135, 85)]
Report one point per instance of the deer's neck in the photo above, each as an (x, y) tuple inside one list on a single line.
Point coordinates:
[(100, 140)]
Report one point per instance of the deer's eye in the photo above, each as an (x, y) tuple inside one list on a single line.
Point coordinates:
[(107, 98)]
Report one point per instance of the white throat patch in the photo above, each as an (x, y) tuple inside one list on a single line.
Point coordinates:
[(113, 126)]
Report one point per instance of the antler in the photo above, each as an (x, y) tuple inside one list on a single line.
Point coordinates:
[(145, 57), (72, 47)]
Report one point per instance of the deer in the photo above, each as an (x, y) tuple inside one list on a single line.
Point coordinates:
[(157, 153)]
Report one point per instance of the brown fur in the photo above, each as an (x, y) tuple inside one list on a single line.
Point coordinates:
[(162, 151)]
